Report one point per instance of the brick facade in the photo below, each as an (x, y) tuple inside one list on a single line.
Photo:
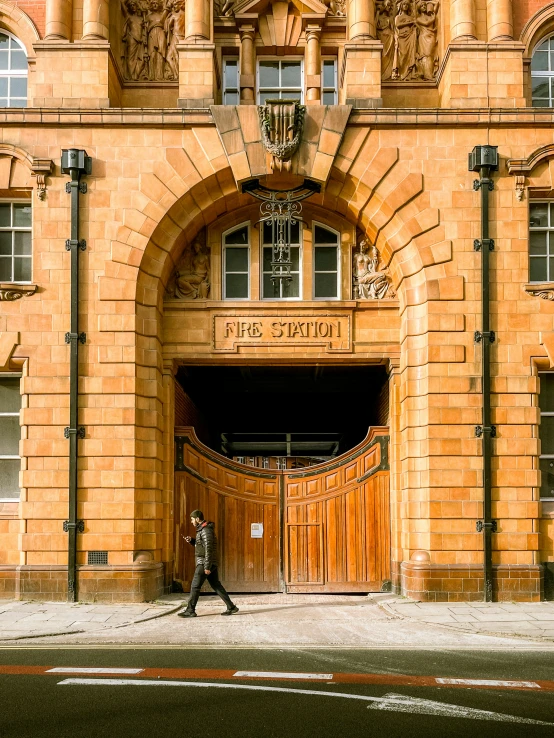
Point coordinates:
[(391, 159)]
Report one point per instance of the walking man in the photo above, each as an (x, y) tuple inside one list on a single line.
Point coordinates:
[(205, 551)]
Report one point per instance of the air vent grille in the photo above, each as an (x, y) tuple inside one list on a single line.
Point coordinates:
[(97, 557)]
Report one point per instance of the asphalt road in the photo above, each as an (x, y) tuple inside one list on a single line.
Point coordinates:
[(184, 692)]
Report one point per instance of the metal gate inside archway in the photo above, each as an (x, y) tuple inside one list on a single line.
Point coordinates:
[(325, 528)]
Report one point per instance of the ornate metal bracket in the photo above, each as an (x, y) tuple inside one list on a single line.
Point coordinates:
[(281, 208), (480, 526), (78, 525)]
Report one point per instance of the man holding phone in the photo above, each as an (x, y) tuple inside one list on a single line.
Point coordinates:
[(205, 551)]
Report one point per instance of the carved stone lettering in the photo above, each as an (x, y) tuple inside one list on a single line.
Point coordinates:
[(151, 31), (330, 331), (408, 30)]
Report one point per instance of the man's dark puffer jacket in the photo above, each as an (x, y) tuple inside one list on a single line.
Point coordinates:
[(205, 546)]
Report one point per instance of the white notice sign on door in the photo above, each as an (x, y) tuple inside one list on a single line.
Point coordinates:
[(256, 530)]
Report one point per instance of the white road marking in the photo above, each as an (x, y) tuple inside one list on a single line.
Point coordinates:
[(391, 702), (415, 705), (282, 675), (488, 683), (91, 670)]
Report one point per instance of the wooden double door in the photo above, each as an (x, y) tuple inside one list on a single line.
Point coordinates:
[(321, 529)]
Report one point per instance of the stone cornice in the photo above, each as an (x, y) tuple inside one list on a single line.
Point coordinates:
[(179, 117)]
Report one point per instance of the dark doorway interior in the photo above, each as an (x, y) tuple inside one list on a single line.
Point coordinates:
[(307, 411)]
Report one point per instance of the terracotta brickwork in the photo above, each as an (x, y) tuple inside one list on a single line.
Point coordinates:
[(168, 164)]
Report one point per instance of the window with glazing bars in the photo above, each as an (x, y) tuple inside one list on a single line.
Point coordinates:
[(15, 242), (10, 435), (326, 263), (542, 74), (13, 72), (231, 90), (546, 434), (541, 242), (236, 264), (329, 82), (280, 80)]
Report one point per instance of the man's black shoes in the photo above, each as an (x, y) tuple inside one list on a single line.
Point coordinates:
[(232, 611), (187, 614)]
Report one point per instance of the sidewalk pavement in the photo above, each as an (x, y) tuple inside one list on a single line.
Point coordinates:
[(284, 621)]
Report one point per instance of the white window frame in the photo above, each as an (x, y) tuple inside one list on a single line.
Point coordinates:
[(279, 94), (12, 229), (541, 455), (18, 73), (549, 230), (12, 375), (547, 75), (248, 247), (339, 260), (300, 272), (233, 90), (335, 90)]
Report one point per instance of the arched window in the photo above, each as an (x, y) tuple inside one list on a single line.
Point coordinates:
[(542, 74), (13, 72)]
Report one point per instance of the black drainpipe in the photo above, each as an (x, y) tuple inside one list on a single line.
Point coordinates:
[(75, 162), (484, 159)]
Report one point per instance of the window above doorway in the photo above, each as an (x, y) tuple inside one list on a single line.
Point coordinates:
[(236, 263), (280, 79)]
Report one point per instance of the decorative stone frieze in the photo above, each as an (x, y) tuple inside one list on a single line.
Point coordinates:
[(408, 31)]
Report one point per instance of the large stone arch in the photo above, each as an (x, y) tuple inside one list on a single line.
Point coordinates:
[(372, 186)]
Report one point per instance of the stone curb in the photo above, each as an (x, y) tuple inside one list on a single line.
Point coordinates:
[(107, 627), (459, 629)]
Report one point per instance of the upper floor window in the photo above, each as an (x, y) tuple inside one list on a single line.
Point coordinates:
[(236, 263), (231, 90), (281, 289), (542, 74), (13, 72), (15, 242), (541, 242), (280, 80), (326, 263), (10, 435), (329, 82)]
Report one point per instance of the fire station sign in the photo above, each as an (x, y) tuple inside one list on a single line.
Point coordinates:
[(331, 332)]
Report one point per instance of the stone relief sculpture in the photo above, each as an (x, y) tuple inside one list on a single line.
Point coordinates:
[(369, 283), (151, 31), (336, 7), (408, 30), (224, 7), (281, 124), (191, 278)]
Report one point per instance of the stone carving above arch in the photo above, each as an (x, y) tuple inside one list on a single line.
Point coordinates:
[(540, 25)]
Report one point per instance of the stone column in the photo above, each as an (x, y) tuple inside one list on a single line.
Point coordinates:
[(361, 20), (313, 64), (500, 20), (59, 19), (247, 65), (462, 20), (197, 20), (96, 20)]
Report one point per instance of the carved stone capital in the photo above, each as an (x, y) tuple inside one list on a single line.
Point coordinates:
[(11, 292), (41, 169)]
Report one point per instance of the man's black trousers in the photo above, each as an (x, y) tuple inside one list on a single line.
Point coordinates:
[(213, 579)]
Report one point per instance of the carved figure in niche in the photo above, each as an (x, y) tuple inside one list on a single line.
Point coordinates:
[(192, 276), (404, 64), (427, 38), (175, 32), (385, 34), (369, 282), (157, 40), (337, 7), (133, 41)]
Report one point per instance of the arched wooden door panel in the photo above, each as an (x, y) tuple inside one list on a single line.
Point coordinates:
[(234, 496), (337, 522)]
